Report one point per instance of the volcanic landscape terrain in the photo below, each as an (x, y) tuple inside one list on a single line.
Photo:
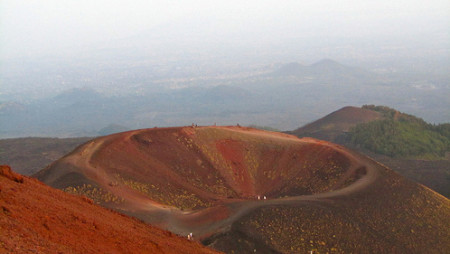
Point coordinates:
[(337, 126), (35, 218), (244, 190)]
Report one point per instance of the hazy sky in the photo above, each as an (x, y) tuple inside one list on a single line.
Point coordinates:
[(29, 27)]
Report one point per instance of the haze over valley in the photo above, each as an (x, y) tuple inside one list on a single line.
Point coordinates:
[(279, 65), (80, 102), (237, 126)]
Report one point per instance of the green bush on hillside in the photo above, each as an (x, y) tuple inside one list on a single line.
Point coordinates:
[(402, 135), (390, 113)]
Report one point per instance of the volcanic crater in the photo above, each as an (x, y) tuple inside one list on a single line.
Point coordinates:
[(192, 168), (208, 180)]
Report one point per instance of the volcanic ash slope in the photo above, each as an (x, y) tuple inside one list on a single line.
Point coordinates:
[(35, 218), (207, 180)]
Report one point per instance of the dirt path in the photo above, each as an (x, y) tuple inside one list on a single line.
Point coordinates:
[(198, 222), (185, 224)]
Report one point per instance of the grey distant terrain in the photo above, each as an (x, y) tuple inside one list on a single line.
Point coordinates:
[(283, 96)]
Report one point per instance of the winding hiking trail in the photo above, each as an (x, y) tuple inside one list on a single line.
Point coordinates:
[(204, 222), (182, 224)]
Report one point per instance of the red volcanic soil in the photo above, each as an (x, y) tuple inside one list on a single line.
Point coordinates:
[(337, 122), (206, 180), (35, 218), (183, 179), (194, 168)]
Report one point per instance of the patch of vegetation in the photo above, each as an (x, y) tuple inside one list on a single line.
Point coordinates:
[(168, 195), (401, 135), (98, 195)]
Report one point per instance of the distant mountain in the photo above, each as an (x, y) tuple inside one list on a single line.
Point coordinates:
[(279, 99), (292, 69), (323, 69), (72, 113), (331, 66), (83, 112), (74, 97), (11, 107), (29, 155), (112, 128), (36, 218)]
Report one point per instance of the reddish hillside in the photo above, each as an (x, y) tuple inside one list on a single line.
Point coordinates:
[(206, 180), (427, 169), (194, 168), (330, 126), (35, 218)]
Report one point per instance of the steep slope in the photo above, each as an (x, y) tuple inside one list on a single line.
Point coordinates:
[(403, 136), (336, 123), (35, 218), (403, 142), (381, 130), (389, 216), (207, 180)]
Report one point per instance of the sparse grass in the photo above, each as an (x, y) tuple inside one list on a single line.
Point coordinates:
[(405, 219), (168, 195), (98, 195)]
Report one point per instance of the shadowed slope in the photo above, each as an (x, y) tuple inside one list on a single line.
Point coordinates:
[(29, 155), (35, 218), (391, 215)]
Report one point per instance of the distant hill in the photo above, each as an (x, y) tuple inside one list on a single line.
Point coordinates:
[(275, 95), (333, 126), (323, 69), (381, 130), (35, 218), (400, 139), (29, 155), (240, 189), (401, 135), (403, 142), (112, 128), (292, 69)]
